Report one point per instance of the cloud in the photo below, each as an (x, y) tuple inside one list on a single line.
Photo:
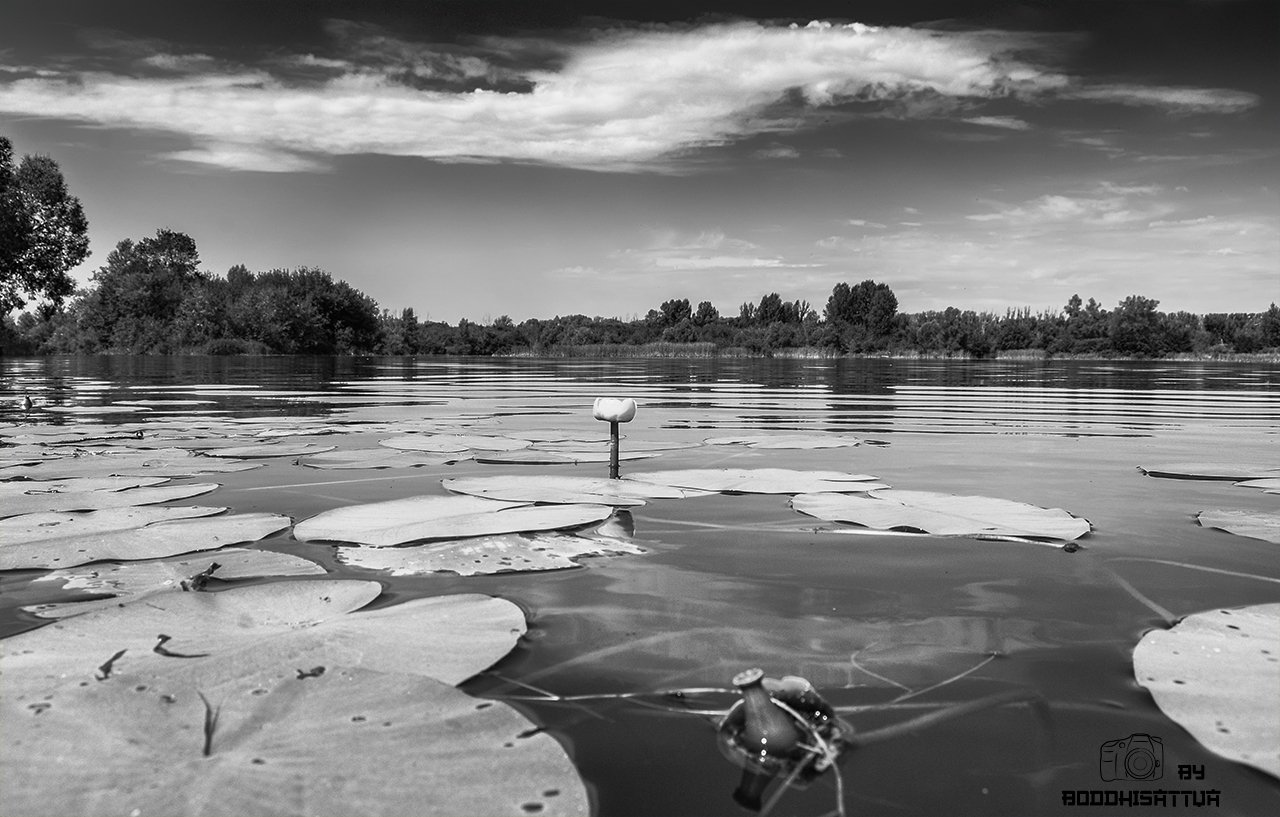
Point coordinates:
[(1107, 205), (1177, 100), (616, 99)]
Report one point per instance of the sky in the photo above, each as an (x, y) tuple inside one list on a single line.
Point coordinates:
[(472, 160)]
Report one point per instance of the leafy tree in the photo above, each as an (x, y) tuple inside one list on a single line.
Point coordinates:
[(706, 314), (1135, 327), (43, 231), (771, 310), (675, 311)]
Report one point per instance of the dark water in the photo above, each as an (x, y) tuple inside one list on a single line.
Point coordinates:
[(731, 582)]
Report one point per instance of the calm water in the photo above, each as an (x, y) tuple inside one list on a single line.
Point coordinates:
[(731, 582)]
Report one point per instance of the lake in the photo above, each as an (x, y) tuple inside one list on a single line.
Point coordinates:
[(732, 581)]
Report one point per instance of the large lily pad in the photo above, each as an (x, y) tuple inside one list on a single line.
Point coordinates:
[(538, 456), (1254, 524), (130, 581), (270, 450), (1211, 470), (209, 638), (348, 741), (944, 514), (22, 486), (566, 490), (760, 480), (454, 443), (381, 524), (353, 458), (1267, 486), (1216, 674), (40, 501), (168, 462), (511, 552), (67, 540)]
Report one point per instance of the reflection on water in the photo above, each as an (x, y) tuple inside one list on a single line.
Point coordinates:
[(731, 582)]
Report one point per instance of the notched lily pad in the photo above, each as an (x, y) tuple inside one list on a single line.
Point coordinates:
[(539, 456), (399, 521), (760, 480), (1254, 524), (1216, 674), (488, 554), (133, 580), (168, 462), (1267, 486), (15, 504), (566, 490), (944, 514), (269, 450), (66, 540), (210, 638), (344, 741), (1211, 470), (454, 443), (355, 458)]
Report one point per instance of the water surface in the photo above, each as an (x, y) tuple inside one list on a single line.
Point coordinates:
[(731, 582)]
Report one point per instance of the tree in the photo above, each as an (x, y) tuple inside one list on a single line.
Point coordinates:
[(43, 231), (706, 314), (1135, 327), (863, 312)]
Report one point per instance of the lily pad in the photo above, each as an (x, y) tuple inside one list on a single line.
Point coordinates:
[(41, 501), (566, 490), (760, 480), (1254, 524), (67, 540), (270, 450), (454, 443), (538, 456), (14, 487), (944, 514), (347, 741), (210, 638), (796, 441), (381, 524), (169, 462), (379, 458), (1216, 674), (511, 552), (1267, 486), (1211, 470), (133, 580)]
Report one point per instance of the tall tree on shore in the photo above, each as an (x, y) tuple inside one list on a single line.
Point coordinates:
[(43, 231)]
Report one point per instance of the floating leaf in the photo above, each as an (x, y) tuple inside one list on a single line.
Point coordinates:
[(760, 480), (797, 441), (489, 554), (398, 521), (1267, 486), (1211, 470), (1216, 674), (25, 503), (242, 630), (169, 462), (71, 539), (347, 741), (132, 580), (270, 450), (379, 458), (565, 490), (1254, 524), (14, 487), (532, 456), (944, 514), (454, 443)]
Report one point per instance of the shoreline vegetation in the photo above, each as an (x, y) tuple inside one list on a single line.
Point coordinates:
[(151, 298)]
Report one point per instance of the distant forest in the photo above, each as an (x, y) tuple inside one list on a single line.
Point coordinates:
[(150, 297)]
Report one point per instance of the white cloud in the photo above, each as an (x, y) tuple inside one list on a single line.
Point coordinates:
[(621, 99)]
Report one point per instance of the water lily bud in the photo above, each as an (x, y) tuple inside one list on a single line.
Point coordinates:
[(614, 410)]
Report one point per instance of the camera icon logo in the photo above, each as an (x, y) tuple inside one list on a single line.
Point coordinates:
[(1137, 757)]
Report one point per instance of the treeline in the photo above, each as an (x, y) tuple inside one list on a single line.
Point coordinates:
[(150, 297)]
